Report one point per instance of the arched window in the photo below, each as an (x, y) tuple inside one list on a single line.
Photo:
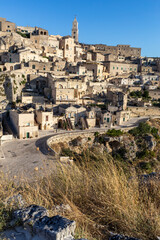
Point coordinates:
[(67, 47)]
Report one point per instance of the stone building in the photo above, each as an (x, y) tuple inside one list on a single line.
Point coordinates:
[(45, 119), (26, 30), (117, 99), (96, 68), (123, 50), (6, 26), (75, 31), (67, 45), (119, 68), (154, 94), (24, 124), (122, 117), (98, 57)]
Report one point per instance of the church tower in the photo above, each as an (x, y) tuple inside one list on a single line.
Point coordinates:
[(75, 30)]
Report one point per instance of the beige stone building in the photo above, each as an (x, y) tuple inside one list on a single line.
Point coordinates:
[(67, 45), (45, 119), (120, 68), (97, 57), (117, 99), (24, 124), (154, 94), (123, 50), (6, 26), (67, 89), (122, 117), (96, 68)]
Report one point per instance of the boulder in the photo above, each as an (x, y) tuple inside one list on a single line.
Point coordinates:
[(55, 228), (30, 214)]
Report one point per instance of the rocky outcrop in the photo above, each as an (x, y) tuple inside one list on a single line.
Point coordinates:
[(36, 224), (30, 214), (124, 145), (150, 142)]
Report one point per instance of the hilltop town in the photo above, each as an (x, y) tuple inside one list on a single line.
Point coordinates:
[(94, 109), (51, 82)]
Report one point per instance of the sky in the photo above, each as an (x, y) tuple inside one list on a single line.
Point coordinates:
[(111, 22)]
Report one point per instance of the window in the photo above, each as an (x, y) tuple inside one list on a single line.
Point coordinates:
[(46, 118), (123, 119), (104, 118), (113, 67), (130, 69), (35, 41), (33, 66), (107, 119), (117, 67), (121, 68)]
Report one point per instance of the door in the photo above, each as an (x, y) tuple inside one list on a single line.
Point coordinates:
[(27, 134)]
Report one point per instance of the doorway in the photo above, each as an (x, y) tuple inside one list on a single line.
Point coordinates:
[(27, 134)]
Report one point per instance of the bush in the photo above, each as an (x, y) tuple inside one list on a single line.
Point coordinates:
[(96, 134), (136, 94), (114, 133), (142, 129)]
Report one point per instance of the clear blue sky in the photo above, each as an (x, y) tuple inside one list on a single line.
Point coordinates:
[(112, 22)]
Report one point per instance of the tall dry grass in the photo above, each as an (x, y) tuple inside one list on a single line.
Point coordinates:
[(101, 196)]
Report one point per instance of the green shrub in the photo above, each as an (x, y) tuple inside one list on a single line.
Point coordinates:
[(114, 133), (96, 134)]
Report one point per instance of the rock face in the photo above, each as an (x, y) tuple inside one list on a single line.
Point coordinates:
[(36, 225), (125, 145), (150, 142)]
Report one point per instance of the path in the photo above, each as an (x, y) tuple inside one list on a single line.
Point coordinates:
[(23, 158)]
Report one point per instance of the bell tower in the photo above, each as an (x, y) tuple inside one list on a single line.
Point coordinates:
[(75, 30)]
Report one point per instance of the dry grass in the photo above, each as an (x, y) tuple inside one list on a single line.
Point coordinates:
[(100, 195)]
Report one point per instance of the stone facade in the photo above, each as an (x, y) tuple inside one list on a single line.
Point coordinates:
[(75, 30), (6, 26), (24, 124)]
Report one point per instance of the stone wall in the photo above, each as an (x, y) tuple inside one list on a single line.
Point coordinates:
[(144, 111)]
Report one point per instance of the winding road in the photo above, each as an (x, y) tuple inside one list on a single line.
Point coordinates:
[(27, 158)]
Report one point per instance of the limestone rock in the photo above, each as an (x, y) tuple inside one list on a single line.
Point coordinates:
[(150, 141), (15, 200), (30, 214), (55, 228)]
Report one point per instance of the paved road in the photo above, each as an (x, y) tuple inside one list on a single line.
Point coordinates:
[(22, 156)]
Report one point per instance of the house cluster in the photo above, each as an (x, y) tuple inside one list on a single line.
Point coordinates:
[(52, 81)]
